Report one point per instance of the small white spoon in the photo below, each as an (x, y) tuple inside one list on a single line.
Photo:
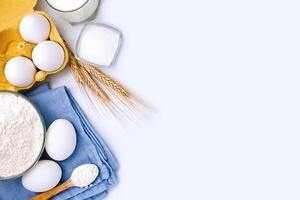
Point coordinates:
[(82, 176)]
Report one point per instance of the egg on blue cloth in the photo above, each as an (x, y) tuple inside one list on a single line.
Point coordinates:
[(44, 176), (60, 140), (90, 148)]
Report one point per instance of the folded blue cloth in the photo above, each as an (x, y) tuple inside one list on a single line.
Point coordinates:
[(59, 103)]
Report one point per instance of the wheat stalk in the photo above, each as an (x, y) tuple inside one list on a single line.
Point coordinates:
[(112, 83), (83, 77), (107, 80), (86, 80), (73, 64), (123, 95), (94, 86), (102, 86)]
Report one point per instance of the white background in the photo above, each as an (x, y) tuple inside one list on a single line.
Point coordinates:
[(224, 79)]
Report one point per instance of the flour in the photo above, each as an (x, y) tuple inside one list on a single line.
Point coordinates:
[(84, 175), (21, 135)]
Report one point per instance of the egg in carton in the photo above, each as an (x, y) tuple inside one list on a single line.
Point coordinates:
[(12, 44)]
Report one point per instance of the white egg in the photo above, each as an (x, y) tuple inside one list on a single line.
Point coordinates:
[(20, 71), (48, 56), (42, 177), (34, 28), (61, 140)]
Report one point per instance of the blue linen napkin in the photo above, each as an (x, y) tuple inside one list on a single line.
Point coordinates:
[(59, 103)]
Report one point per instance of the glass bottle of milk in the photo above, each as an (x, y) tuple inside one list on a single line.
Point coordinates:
[(75, 11)]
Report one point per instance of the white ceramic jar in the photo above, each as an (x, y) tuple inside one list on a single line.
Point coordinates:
[(74, 11)]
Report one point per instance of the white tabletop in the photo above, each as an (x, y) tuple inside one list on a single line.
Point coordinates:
[(224, 79)]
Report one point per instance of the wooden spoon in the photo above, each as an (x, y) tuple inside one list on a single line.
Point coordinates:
[(82, 176), (54, 191)]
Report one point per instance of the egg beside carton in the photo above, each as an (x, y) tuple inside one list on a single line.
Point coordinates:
[(60, 144)]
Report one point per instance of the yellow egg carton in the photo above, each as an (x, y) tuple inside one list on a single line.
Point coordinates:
[(12, 44)]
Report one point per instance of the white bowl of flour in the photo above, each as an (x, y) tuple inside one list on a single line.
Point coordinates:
[(22, 135)]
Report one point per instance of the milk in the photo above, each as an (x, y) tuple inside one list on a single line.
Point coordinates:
[(74, 11), (98, 44)]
